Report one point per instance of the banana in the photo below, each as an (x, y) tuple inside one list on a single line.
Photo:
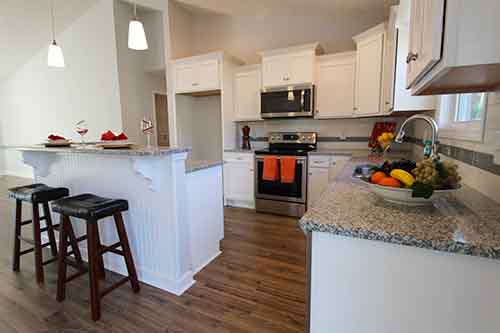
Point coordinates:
[(403, 176)]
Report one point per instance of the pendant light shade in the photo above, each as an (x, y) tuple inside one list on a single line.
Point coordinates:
[(55, 57), (136, 34)]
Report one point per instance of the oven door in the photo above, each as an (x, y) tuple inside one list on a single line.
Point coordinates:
[(292, 192), (298, 102)]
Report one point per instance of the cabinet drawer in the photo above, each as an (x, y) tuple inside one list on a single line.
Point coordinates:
[(319, 161), (238, 157)]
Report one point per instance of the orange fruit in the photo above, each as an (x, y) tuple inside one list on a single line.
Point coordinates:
[(389, 181), (377, 177)]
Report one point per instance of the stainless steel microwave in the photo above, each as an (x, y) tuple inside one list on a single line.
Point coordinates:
[(290, 102)]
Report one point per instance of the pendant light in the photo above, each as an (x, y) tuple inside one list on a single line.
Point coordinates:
[(136, 34), (55, 57)]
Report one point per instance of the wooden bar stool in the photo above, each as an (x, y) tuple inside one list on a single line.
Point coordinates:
[(36, 195), (92, 208)]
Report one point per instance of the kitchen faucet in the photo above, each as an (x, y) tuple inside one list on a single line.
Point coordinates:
[(434, 127)]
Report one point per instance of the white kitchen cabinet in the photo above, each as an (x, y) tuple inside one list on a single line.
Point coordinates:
[(369, 66), (197, 74), (239, 180), (426, 31), (335, 85), (396, 98), (247, 89), (464, 57), (289, 67)]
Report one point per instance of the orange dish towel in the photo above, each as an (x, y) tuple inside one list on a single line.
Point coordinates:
[(288, 169), (270, 169)]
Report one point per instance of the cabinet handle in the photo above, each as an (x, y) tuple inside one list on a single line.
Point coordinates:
[(355, 109), (195, 84), (310, 174), (286, 78), (411, 57)]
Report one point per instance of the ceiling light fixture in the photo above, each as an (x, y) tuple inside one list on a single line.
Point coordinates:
[(55, 57), (136, 34)]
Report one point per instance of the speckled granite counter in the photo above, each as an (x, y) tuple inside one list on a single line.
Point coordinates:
[(134, 151), (466, 222), (192, 166), (243, 151)]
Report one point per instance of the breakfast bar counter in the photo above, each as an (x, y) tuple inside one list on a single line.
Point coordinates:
[(169, 243), (376, 266)]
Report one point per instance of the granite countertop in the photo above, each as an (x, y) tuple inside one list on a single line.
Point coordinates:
[(196, 165), (239, 150), (466, 222), (90, 149)]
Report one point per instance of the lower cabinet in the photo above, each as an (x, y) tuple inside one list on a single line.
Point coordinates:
[(239, 180)]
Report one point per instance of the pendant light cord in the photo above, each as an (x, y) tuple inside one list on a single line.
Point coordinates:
[(53, 17)]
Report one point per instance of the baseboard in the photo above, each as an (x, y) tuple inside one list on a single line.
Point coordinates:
[(208, 261)]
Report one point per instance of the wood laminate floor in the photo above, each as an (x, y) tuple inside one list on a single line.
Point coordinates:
[(257, 285)]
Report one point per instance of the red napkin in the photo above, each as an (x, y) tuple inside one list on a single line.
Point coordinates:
[(108, 136), (122, 136), (53, 137)]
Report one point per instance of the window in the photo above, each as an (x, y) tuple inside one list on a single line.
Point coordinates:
[(462, 116)]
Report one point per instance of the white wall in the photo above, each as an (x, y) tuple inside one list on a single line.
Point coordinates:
[(137, 86), (244, 36), (37, 100), (483, 181)]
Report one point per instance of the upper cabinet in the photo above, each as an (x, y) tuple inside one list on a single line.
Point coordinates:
[(335, 84), (290, 66), (395, 96), (463, 57), (197, 74), (247, 88), (369, 67)]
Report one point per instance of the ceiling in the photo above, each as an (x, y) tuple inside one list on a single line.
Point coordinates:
[(330, 8), (26, 27)]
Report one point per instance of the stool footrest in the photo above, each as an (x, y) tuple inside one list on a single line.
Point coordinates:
[(43, 218), (49, 261), (111, 248), (114, 286), (81, 238), (54, 227), (26, 251)]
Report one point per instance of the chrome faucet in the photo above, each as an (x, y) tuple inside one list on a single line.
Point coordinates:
[(434, 127)]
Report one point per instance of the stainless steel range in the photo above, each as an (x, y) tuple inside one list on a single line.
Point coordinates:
[(278, 197)]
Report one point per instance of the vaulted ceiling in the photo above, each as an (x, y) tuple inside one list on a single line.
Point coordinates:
[(25, 27)]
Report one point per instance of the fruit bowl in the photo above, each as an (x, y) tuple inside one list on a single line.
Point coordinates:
[(404, 196)]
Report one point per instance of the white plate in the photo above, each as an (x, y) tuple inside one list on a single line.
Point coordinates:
[(403, 196)]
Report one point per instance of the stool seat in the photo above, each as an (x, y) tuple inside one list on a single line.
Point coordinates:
[(38, 193), (89, 206)]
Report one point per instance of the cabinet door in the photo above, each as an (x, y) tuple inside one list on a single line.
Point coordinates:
[(275, 71), (335, 88), (239, 183), (369, 75), (185, 78), (208, 75), (301, 69), (317, 182), (426, 37), (390, 52), (247, 95)]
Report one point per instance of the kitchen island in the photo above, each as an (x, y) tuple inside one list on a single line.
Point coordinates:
[(379, 267), (174, 231)]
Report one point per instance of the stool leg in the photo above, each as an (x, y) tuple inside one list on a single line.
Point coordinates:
[(37, 244), (50, 228), (61, 260), (122, 234), (100, 259), (93, 254), (17, 234), (72, 241)]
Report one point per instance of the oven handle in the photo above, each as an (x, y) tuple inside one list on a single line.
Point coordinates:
[(300, 159)]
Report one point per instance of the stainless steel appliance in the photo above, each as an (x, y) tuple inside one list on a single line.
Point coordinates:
[(288, 102), (284, 198)]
